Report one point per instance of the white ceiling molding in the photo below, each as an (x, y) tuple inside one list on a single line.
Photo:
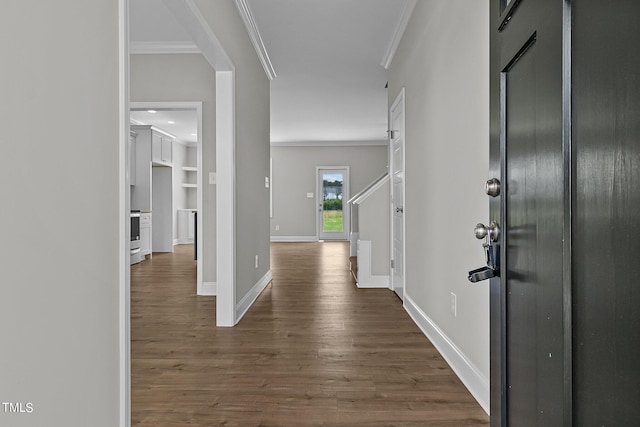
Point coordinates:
[(256, 38), (377, 143), (189, 16), (153, 47), (405, 15)]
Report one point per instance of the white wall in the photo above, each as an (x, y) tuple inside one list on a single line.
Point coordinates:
[(443, 62), (59, 175), (252, 143), (176, 78), (294, 175)]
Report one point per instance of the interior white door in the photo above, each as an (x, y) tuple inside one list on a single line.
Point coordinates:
[(331, 201), (396, 145)]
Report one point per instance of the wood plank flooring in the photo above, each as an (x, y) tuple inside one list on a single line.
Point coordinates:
[(313, 351)]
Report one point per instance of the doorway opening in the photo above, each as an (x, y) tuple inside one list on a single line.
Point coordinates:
[(166, 178), (332, 195)]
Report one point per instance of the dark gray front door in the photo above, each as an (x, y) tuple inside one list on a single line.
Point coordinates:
[(565, 142), (528, 337)]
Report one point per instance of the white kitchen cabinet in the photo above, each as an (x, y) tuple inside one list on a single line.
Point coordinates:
[(148, 152), (145, 234), (161, 149)]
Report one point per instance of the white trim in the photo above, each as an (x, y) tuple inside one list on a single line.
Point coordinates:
[(298, 239), (176, 242), (254, 34), (225, 196), (247, 301), (209, 289), (368, 143), (124, 220), (189, 16), (401, 26), (365, 278), (154, 47), (469, 374)]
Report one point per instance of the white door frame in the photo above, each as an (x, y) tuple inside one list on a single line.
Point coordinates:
[(124, 207), (197, 108), (398, 103), (346, 188)]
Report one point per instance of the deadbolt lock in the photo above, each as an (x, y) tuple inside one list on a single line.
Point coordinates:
[(492, 187), (491, 248)]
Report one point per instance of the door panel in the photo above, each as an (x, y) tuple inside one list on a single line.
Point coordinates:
[(527, 328), (606, 294), (397, 200), (533, 264)]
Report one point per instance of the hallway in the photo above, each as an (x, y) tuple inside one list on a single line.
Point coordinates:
[(312, 351)]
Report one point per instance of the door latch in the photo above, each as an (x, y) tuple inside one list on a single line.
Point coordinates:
[(491, 247)]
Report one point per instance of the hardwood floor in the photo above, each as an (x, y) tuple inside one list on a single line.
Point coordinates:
[(313, 351)]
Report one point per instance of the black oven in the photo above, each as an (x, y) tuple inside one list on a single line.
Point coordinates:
[(135, 230)]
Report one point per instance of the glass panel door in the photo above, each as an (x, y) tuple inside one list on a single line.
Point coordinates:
[(332, 207)]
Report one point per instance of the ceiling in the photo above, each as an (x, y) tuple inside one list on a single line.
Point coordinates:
[(183, 124), (330, 84)]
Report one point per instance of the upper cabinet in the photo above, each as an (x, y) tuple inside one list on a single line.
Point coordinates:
[(161, 148), (152, 146)]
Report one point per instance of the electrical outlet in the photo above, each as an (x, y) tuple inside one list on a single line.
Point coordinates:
[(277, 228), (212, 178), (309, 195), (454, 304), (257, 264)]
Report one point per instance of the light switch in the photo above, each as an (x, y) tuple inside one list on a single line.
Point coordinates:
[(212, 178), (309, 195), (266, 182)]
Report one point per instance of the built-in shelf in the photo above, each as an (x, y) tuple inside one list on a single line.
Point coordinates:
[(190, 185), (190, 169)]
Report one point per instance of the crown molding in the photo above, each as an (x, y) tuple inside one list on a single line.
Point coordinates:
[(376, 143), (153, 47), (401, 26), (254, 34)]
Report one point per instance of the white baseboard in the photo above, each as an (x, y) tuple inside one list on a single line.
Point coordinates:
[(209, 289), (476, 383), (247, 301), (365, 278), (294, 239), (176, 242), (182, 242), (372, 282)]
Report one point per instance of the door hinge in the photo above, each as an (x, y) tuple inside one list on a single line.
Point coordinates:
[(393, 264)]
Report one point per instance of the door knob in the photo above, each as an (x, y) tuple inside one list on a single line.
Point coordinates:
[(399, 209), (492, 187), (493, 231)]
